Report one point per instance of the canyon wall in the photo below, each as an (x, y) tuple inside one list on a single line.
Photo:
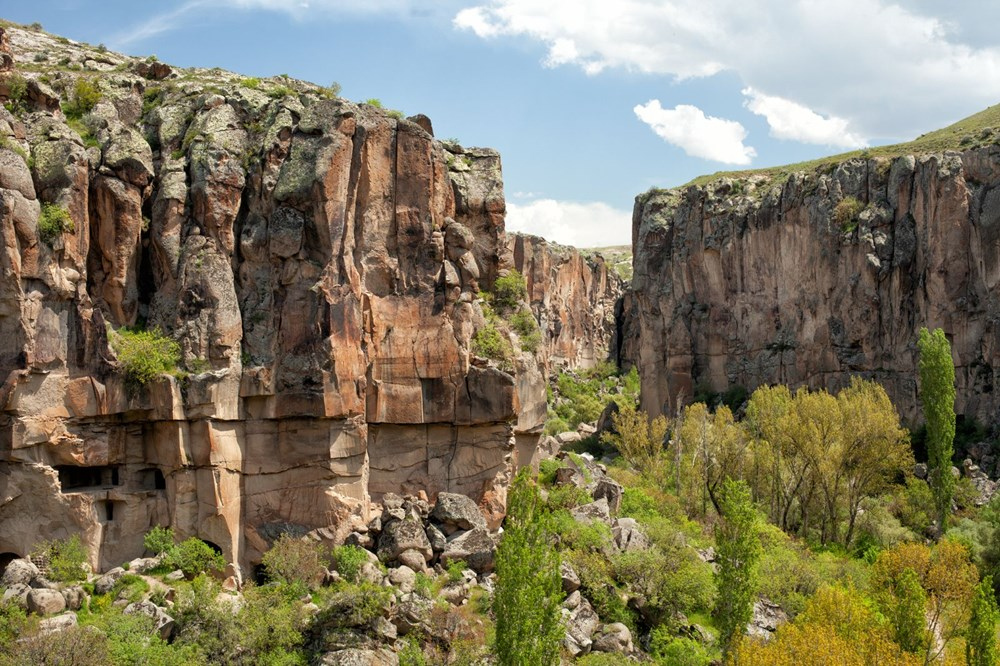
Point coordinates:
[(573, 297), (752, 281), (318, 264)]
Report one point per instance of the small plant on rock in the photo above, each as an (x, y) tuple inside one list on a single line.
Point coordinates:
[(144, 355), (53, 222)]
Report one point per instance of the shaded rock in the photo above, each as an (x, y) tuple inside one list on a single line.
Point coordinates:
[(104, 584), (436, 538), (597, 510), (163, 624), (45, 602), (19, 572), (611, 491), (614, 637), (475, 547), (628, 535), (457, 512), (581, 622), (767, 617), (403, 535), (360, 657), (412, 613), (414, 559), (74, 596), (570, 580)]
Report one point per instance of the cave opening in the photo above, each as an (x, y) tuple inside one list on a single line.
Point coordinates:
[(152, 479), (106, 510), (6, 559), (74, 477), (260, 576)]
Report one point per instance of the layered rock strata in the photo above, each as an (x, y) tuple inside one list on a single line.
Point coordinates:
[(825, 275), (574, 298), (316, 261)]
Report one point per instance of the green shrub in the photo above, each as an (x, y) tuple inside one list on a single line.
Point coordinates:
[(66, 558), (332, 90), (456, 569), (524, 324), (14, 624), (130, 588), (250, 82), (412, 653), (424, 585), (193, 556), (144, 355), (352, 604), (133, 640), (377, 103), (85, 97), (17, 99), (547, 471), (489, 342), (509, 291), (279, 92), (671, 651), (53, 222), (591, 536), (296, 562), (348, 560), (846, 212), (159, 540)]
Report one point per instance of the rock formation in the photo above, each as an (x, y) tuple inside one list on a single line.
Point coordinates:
[(828, 274), (316, 261), (573, 297)]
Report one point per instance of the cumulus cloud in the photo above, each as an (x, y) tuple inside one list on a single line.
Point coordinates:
[(789, 120), (887, 68), (594, 224), (698, 135)]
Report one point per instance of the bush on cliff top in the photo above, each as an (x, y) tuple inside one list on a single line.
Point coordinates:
[(144, 355)]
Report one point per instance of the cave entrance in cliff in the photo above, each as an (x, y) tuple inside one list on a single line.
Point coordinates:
[(260, 574), (215, 547), (73, 477), (107, 509), (5, 559), (152, 479)]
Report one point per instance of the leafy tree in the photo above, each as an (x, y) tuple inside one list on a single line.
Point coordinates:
[(193, 556), (529, 585), (981, 638), (906, 613), (159, 540), (738, 552), (637, 438), (296, 562), (937, 393), (66, 558)]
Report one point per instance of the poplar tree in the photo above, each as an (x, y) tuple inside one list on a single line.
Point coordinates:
[(937, 393), (738, 552), (981, 639)]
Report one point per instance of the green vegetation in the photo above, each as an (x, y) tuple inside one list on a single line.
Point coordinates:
[(348, 560), (846, 212), (977, 129), (85, 97), (937, 393), (524, 324), (737, 542), (529, 587), (981, 642), (53, 222), (374, 101), (490, 342), (159, 540), (580, 396), (144, 355), (193, 556), (66, 558), (509, 291), (17, 97), (296, 562)]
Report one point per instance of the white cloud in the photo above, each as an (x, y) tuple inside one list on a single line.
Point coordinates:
[(698, 135), (594, 224), (890, 69), (789, 120)]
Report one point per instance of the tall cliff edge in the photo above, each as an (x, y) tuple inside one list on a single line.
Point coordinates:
[(811, 276), (318, 263)]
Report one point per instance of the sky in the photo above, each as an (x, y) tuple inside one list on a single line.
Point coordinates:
[(591, 102)]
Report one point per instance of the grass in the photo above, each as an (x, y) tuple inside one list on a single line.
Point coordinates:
[(966, 133)]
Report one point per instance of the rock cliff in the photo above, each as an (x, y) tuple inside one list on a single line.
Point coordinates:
[(316, 261), (574, 298), (755, 279)]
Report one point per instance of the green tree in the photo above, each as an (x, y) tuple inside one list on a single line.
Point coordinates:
[(981, 639), (937, 392), (529, 587), (906, 612), (738, 552)]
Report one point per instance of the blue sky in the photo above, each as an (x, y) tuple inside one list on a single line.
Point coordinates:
[(591, 102)]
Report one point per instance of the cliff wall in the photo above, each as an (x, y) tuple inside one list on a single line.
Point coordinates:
[(747, 281), (317, 263), (572, 296)]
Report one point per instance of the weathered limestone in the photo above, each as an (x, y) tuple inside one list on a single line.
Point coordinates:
[(318, 264), (747, 283)]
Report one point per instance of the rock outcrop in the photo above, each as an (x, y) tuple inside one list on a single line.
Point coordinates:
[(825, 275), (317, 263), (574, 297)]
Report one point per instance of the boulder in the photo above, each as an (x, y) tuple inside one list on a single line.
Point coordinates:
[(402, 535), (141, 565), (413, 559), (475, 547), (74, 597), (610, 490), (17, 594), (436, 538), (163, 624), (412, 613), (45, 602), (588, 513), (628, 536), (104, 584), (570, 580), (581, 622), (19, 572), (767, 617), (614, 637), (360, 657), (58, 623), (457, 512), (404, 578)]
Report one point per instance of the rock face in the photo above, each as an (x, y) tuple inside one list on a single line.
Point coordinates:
[(575, 299), (316, 261), (824, 276)]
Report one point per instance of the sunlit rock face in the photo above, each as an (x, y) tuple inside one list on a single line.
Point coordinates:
[(318, 263)]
